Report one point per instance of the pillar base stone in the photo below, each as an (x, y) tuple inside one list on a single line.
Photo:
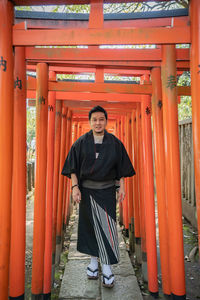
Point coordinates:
[(58, 252), (47, 296), (37, 297), (155, 295), (17, 298), (138, 253), (175, 297)]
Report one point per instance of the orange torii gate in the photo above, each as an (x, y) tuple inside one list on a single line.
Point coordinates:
[(128, 219), (110, 96), (164, 131)]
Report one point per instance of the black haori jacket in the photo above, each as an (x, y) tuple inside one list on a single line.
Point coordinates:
[(112, 163)]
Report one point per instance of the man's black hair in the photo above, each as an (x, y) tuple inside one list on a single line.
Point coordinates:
[(98, 109)]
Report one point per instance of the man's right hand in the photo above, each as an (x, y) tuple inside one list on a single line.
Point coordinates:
[(76, 194)]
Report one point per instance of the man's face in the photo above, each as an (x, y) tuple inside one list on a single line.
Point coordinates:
[(98, 122)]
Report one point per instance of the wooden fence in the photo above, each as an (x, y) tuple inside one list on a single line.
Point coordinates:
[(187, 171), (30, 178)]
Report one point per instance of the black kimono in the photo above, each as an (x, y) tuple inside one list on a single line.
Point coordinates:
[(97, 233)]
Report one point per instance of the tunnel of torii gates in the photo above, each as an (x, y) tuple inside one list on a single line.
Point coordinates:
[(61, 117)]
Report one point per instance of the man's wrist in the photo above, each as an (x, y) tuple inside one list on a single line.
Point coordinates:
[(75, 185)]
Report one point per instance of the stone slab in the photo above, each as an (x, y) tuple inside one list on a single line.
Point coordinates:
[(73, 236), (75, 284), (74, 231), (98, 298), (123, 268), (119, 230), (74, 254), (122, 246), (125, 288)]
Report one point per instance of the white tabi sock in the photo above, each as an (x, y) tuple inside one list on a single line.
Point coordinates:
[(93, 266), (106, 270)]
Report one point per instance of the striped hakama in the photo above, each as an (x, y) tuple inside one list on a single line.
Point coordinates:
[(97, 232)]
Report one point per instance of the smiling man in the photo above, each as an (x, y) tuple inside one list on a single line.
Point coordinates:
[(94, 163)]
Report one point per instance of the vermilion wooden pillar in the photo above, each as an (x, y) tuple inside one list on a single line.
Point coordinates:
[(79, 129), (142, 196), (114, 130), (69, 126), (6, 139), (68, 139), (96, 14), (135, 178), (65, 178), (148, 186), (125, 202), (49, 191), (68, 197), (126, 179), (118, 128), (172, 171), (159, 158), (130, 180), (120, 203), (141, 189), (61, 185), (195, 76), (130, 184), (18, 212), (40, 183), (123, 141), (64, 201), (75, 131), (138, 192), (56, 176)]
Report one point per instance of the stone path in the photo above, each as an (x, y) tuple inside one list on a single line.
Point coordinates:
[(75, 284)]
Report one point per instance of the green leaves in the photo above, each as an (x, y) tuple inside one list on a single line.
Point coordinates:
[(31, 115), (111, 8), (185, 107)]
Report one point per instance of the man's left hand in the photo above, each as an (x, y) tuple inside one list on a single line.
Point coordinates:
[(121, 194)]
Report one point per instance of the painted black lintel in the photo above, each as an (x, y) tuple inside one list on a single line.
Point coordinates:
[(105, 81), (107, 17), (92, 81)]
